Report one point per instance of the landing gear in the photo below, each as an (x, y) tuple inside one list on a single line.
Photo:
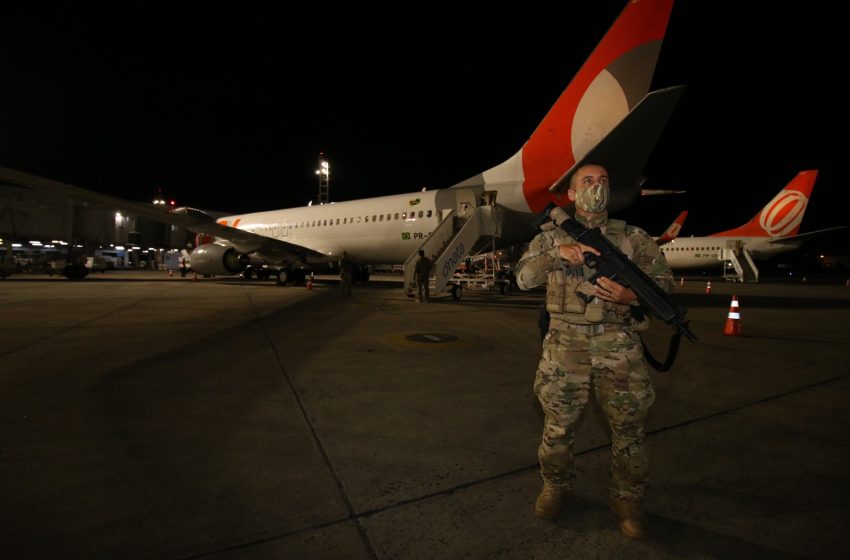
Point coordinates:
[(295, 276), (457, 292)]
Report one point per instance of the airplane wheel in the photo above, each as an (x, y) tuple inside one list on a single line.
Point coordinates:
[(282, 276), (456, 292)]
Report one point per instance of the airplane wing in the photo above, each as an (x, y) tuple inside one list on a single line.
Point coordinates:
[(655, 192), (803, 237), (194, 220)]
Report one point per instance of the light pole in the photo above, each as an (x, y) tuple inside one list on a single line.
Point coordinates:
[(324, 173)]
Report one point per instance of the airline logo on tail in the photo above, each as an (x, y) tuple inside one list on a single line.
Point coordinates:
[(610, 84), (783, 215), (672, 232)]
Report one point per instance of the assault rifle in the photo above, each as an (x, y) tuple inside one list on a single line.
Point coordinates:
[(614, 264)]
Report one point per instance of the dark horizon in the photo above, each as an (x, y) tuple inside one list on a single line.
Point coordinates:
[(230, 112)]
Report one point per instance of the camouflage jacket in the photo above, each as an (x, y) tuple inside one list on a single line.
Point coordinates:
[(542, 263)]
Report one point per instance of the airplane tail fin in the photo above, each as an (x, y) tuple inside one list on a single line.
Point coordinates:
[(782, 216), (672, 232), (613, 80)]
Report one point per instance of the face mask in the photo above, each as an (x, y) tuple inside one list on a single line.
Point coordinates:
[(594, 198)]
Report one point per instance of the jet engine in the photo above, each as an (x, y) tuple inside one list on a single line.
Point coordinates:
[(218, 259)]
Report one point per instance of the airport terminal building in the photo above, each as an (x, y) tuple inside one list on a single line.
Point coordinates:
[(37, 227)]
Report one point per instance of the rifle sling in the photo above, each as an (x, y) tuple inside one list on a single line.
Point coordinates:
[(672, 350)]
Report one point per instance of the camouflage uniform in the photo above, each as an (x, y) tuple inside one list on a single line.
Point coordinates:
[(346, 267), (422, 270), (594, 345)]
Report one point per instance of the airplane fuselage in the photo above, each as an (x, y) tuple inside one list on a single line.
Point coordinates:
[(379, 230), (707, 252)]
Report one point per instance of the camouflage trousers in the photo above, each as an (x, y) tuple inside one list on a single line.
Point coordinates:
[(422, 286), (612, 364)]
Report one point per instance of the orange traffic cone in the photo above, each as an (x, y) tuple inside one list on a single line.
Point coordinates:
[(310, 282), (170, 273), (682, 281), (733, 321), (708, 288)]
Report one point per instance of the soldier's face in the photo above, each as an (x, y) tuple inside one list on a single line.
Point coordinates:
[(591, 189)]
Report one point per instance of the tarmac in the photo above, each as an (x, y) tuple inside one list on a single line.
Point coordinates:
[(152, 417)]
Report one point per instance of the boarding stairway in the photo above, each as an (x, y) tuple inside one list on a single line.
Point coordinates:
[(742, 263), (453, 240)]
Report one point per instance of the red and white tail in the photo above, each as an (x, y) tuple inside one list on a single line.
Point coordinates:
[(672, 232), (782, 216), (612, 81)]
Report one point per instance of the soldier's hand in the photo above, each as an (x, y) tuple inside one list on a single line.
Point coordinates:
[(573, 253), (609, 290)]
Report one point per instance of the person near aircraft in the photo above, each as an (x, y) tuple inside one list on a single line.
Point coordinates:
[(593, 344), (423, 273), (606, 112), (346, 269)]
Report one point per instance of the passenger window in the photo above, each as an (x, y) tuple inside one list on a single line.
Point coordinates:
[(396, 215), (382, 218), (404, 215), (429, 213), (358, 219), (420, 213), (367, 218)]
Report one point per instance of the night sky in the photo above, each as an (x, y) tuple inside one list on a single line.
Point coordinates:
[(228, 110)]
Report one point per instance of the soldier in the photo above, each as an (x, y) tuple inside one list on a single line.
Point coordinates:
[(422, 269), (346, 268), (593, 346)]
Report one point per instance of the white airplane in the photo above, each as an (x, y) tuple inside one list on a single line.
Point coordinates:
[(774, 230), (604, 115)]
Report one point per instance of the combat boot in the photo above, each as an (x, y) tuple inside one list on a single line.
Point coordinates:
[(550, 500), (632, 517)]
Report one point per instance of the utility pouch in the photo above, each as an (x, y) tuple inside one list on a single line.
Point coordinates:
[(556, 292), (594, 312)]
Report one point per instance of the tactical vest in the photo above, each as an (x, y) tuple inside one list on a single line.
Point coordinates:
[(564, 285)]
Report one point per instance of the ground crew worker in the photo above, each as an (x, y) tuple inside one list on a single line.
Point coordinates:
[(346, 269), (593, 343), (422, 270)]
